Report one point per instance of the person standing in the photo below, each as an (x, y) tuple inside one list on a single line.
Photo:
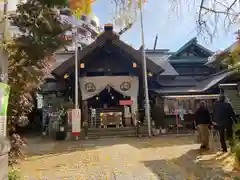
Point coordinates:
[(158, 117), (203, 121), (224, 117)]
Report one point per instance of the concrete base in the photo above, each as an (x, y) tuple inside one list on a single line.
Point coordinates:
[(4, 149), (69, 136)]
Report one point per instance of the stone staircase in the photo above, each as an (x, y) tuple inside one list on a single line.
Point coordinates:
[(94, 133)]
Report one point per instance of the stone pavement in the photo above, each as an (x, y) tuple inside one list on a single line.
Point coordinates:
[(162, 158)]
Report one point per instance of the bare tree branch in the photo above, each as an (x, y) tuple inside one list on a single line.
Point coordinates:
[(214, 15)]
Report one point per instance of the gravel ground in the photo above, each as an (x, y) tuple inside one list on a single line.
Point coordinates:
[(162, 158)]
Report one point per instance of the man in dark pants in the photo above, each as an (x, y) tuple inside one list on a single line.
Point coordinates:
[(158, 116), (224, 117)]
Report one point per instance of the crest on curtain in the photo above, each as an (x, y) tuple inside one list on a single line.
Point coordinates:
[(90, 87), (125, 86)]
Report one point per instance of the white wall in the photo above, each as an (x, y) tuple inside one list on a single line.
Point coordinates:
[(12, 5)]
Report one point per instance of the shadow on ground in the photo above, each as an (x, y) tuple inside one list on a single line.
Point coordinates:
[(47, 147), (195, 164), (170, 158)]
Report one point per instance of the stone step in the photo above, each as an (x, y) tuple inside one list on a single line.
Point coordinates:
[(91, 136), (122, 129), (111, 132), (94, 133)]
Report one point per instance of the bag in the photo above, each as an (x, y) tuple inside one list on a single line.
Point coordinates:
[(155, 131), (163, 131), (197, 136), (214, 142)]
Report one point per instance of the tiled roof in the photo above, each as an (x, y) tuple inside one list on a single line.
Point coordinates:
[(101, 40), (179, 81), (161, 59), (200, 86), (189, 60), (212, 80)]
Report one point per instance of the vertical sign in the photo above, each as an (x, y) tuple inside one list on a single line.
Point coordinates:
[(69, 117), (4, 95), (39, 101), (76, 122)]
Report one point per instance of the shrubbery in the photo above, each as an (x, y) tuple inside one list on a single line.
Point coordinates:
[(13, 175), (236, 143), (30, 60)]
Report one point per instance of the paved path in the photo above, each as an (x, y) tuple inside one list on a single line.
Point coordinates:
[(170, 158)]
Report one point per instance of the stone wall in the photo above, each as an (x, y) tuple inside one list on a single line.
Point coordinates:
[(4, 149)]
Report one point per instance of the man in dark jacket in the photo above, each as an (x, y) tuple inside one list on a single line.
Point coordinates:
[(158, 116), (224, 117), (203, 121)]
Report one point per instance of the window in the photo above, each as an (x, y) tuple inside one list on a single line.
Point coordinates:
[(82, 31), (186, 54), (201, 70), (83, 18), (49, 86), (184, 70), (65, 12), (93, 23), (188, 105)]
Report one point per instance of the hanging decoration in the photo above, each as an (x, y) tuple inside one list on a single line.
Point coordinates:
[(125, 12), (80, 7)]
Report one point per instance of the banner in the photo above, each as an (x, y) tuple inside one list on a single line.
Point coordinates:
[(4, 95), (125, 85)]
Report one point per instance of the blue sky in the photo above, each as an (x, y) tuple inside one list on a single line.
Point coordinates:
[(173, 29)]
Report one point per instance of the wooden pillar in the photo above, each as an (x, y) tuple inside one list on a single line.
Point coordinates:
[(135, 110), (159, 100), (85, 110)]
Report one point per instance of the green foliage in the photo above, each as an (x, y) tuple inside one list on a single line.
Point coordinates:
[(52, 3), (41, 30), (236, 142), (13, 175), (30, 59)]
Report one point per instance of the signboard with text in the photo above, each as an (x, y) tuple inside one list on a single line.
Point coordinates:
[(125, 102), (4, 95), (76, 122)]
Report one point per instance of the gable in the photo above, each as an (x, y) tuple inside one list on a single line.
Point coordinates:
[(110, 58), (103, 39), (191, 49)]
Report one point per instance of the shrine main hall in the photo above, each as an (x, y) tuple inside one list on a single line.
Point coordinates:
[(111, 88)]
